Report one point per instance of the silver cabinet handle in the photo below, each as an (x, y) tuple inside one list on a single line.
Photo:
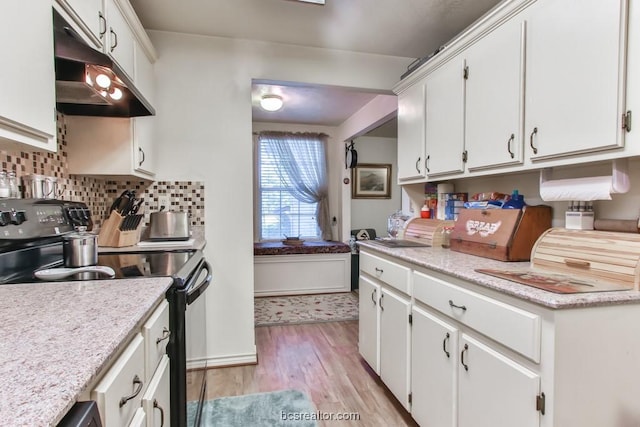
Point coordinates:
[(157, 405), (115, 39), (535, 131), (143, 156), (373, 298), (461, 307), (511, 139), (379, 270), (165, 335), (418, 164), (381, 297), (138, 381), (426, 163)]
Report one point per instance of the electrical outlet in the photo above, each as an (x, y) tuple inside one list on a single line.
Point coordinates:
[(164, 200)]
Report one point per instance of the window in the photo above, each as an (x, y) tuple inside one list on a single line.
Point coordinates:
[(280, 212)]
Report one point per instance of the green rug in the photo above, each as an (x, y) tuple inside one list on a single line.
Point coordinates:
[(277, 408)]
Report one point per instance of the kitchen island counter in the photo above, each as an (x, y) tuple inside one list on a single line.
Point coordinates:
[(463, 266), (57, 339)]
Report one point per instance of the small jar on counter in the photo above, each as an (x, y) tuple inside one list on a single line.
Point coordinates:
[(446, 237), (4, 185), (12, 180)]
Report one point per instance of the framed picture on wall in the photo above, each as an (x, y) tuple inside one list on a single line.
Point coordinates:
[(371, 181)]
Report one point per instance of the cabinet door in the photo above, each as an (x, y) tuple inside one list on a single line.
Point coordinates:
[(445, 118), (156, 400), (27, 88), (123, 381), (143, 153), (494, 391), (90, 16), (434, 368), (120, 39), (411, 161), (574, 76), (394, 344), (369, 322), (495, 98)]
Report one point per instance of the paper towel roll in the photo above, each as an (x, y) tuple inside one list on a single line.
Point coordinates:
[(584, 189), (442, 204)]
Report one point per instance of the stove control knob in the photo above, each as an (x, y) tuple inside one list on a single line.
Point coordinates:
[(5, 218), (18, 217)]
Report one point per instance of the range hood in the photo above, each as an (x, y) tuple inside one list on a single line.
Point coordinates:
[(81, 69)]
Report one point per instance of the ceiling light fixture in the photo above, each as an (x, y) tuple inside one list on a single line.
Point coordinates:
[(271, 102)]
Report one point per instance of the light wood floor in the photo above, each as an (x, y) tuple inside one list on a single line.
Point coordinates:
[(320, 359)]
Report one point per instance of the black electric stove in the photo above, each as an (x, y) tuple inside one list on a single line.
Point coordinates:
[(31, 233)]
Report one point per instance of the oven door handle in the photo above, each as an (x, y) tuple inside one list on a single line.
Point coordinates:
[(193, 291)]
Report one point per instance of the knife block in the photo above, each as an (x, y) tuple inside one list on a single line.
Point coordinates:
[(111, 236)]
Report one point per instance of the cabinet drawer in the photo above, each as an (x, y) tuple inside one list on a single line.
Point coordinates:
[(386, 271), (508, 325), (156, 400), (119, 392), (156, 336)]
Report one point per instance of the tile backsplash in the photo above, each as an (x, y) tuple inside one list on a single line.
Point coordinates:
[(99, 193)]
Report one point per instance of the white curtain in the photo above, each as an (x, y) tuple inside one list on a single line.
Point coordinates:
[(304, 168)]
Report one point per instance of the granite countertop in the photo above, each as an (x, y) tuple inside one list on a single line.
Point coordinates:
[(196, 242), (310, 247), (56, 338), (463, 266)]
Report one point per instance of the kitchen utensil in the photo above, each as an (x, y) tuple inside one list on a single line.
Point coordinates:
[(62, 272), (39, 187), (169, 225), (122, 202), (80, 248)]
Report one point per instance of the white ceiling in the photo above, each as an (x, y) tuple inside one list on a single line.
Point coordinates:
[(405, 28)]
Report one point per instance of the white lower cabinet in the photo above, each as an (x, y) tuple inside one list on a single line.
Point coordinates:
[(384, 329), (139, 419), (135, 390), (119, 393), (156, 400), (493, 390), (394, 343), (369, 322), (434, 370)]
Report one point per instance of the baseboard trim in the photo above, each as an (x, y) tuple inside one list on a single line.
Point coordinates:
[(223, 361)]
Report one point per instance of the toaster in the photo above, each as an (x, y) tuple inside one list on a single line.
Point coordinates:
[(169, 225)]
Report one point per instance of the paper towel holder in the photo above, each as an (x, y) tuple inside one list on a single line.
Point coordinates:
[(619, 177)]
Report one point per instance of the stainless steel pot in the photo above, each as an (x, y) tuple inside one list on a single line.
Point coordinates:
[(80, 249), (169, 225)]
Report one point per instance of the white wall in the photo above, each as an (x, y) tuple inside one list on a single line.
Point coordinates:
[(204, 133), (373, 213)]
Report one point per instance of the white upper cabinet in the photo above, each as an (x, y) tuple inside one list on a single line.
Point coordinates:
[(411, 161), (27, 91), (495, 98), (445, 118), (120, 44), (575, 76), (89, 16)]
